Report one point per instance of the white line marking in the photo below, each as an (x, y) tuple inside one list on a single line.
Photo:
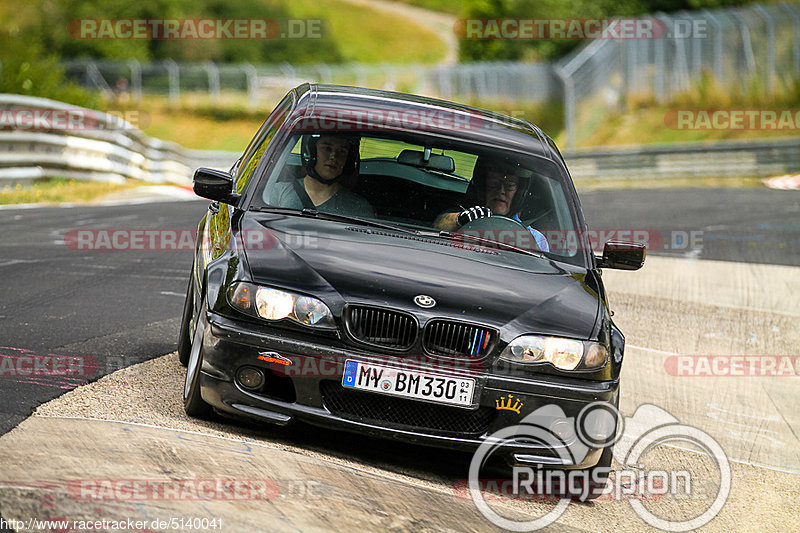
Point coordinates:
[(725, 306), (17, 261), (737, 413), (739, 461), (253, 442), (651, 350)]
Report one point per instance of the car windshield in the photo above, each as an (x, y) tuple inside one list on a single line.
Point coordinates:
[(428, 185)]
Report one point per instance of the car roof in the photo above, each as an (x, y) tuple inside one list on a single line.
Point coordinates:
[(470, 124)]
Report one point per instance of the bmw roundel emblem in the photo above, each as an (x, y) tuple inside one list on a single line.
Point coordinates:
[(424, 301)]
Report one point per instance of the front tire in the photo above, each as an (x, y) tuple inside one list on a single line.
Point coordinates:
[(193, 403), (602, 469), (601, 472), (185, 336)]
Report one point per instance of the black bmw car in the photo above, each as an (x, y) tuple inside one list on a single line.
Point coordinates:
[(402, 267)]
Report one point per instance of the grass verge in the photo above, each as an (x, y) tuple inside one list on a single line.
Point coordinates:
[(584, 185), (59, 190), (368, 35), (204, 127), (649, 125), (647, 121), (454, 7)]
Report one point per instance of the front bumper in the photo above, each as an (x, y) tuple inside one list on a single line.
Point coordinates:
[(303, 382)]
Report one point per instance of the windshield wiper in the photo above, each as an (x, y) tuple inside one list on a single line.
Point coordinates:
[(453, 177), (306, 212), (463, 237)]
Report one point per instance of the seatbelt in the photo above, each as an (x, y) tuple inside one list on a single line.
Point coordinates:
[(305, 199)]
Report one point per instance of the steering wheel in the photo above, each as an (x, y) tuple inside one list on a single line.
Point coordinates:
[(494, 222), (496, 227)]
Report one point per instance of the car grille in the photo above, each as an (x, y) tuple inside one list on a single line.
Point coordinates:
[(444, 337), (402, 413), (381, 327)]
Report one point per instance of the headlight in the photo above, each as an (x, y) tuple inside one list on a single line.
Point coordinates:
[(310, 311), (565, 354), (275, 304)]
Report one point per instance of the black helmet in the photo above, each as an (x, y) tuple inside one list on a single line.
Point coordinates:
[(476, 192), (308, 154)]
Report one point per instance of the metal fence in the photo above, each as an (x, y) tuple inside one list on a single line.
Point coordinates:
[(533, 82), (755, 47), (758, 46)]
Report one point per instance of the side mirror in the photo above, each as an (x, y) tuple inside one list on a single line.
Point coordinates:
[(622, 255), (215, 185)]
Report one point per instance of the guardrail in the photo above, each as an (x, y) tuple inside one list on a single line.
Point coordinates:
[(726, 159), (73, 142), (115, 151)]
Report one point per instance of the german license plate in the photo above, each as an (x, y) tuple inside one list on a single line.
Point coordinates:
[(408, 383)]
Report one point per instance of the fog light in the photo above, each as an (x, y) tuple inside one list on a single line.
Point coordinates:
[(563, 429), (250, 378)]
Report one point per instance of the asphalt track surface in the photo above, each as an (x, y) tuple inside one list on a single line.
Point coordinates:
[(744, 225), (121, 308), (117, 308)]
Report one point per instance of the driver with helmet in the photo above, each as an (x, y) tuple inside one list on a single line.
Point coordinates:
[(328, 160), (498, 187)]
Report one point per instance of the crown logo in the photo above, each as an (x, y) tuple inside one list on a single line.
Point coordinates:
[(506, 403)]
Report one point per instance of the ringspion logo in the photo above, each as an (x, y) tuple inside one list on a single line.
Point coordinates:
[(599, 425)]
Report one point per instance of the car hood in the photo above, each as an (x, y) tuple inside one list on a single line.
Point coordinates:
[(347, 263)]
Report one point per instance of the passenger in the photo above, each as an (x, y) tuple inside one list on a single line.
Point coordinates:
[(328, 160), (496, 189)]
